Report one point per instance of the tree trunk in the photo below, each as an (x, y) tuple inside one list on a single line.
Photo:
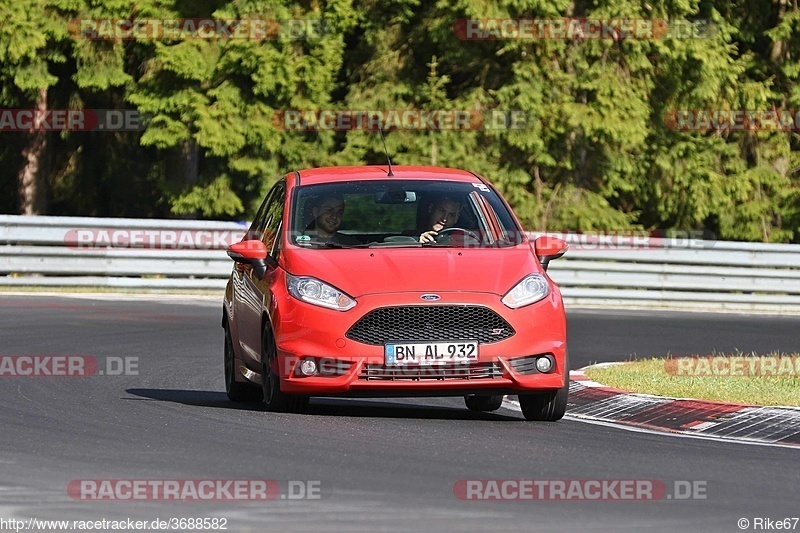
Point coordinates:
[(778, 54), (33, 175), (191, 159), (778, 51), (183, 168)]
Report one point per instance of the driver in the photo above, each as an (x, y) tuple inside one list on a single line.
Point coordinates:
[(442, 214), (328, 212)]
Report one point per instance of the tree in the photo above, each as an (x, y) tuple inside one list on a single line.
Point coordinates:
[(29, 40)]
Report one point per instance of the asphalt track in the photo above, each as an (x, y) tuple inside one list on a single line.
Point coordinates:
[(381, 464)]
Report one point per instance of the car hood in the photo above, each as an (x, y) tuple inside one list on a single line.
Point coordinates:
[(368, 271)]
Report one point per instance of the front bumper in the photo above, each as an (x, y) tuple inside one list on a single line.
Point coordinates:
[(306, 331)]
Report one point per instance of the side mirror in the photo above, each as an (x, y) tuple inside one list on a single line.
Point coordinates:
[(549, 248), (254, 253)]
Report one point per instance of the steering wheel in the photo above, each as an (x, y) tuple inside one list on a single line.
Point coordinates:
[(470, 233)]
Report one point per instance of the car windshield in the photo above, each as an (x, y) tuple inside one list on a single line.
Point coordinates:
[(401, 213)]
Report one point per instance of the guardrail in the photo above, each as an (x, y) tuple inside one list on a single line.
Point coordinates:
[(188, 255), (699, 275), (115, 252)]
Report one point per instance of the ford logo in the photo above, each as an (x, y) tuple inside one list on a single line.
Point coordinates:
[(430, 297)]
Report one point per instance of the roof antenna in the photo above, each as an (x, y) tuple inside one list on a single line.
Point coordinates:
[(391, 174)]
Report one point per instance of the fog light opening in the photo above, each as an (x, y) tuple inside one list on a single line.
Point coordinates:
[(544, 364), (308, 367)]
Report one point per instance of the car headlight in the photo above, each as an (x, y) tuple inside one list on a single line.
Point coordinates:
[(530, 290), (316, 292)]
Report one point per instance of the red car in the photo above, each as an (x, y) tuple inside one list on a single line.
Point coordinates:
[(381, 281)]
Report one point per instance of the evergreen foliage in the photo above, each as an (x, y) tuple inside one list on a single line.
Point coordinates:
[(598, 148)]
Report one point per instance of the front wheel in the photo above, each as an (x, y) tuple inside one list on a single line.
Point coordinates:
[(275, 399), (236, 391), (546, 406)]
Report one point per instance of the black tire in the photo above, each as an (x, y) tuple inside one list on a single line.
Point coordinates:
[(236, 391), (275, 400), (483, 403), (546, 406)]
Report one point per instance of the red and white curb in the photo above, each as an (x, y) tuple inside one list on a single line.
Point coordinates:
[(593, 402)]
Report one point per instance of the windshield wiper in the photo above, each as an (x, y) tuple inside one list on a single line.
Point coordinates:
[(337, 245), (399, 244)]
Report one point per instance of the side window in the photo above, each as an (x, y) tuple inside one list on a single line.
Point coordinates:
[(501, 219), (273, 215), (257, 226), (487, 220)]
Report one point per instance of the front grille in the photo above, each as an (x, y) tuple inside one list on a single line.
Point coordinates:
[(430, 323), (333, 367), (438, 372)]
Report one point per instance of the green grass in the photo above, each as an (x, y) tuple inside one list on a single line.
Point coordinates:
[(650, 376)]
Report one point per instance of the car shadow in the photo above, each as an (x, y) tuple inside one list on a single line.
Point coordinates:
[(339, 407), (398, 409)]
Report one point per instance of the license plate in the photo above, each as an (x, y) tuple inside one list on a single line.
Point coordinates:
[(431, 353)]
